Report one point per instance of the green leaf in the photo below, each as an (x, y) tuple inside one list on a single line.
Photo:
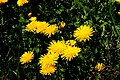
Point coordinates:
[(36, 49), (59, 11), (77, 24), (96, 50)]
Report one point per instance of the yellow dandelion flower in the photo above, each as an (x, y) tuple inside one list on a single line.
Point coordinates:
[(118, 13), (62, 24), (29, 14), (49, 59), (21, 2), (70, 53), (117, 1), (26, 57), (71, 42), (33, 19), (31, 26), (83, 33), (3, 1), (47, 70), (41, 26), (99, 66), (51, 30), (57, 47)]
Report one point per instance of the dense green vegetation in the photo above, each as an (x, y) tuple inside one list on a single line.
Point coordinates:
[(103, 47)]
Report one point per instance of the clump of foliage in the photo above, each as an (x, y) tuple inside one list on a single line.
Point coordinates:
[(95, 55)]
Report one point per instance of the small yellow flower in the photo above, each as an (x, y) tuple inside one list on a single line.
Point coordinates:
[(70, 52), (26, 57), (29, 14), (57, 47), (33, 19), (3, 1), (21, 2), (51, 30), (47, 70), (31, 26), (49, 59), (41, 26), (71, 42), (36, 26), (83, 33), (118, 13), (99, 67), (62, 24), (118, 1)]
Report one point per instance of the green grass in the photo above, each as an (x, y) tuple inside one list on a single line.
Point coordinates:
[(103, 47)]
